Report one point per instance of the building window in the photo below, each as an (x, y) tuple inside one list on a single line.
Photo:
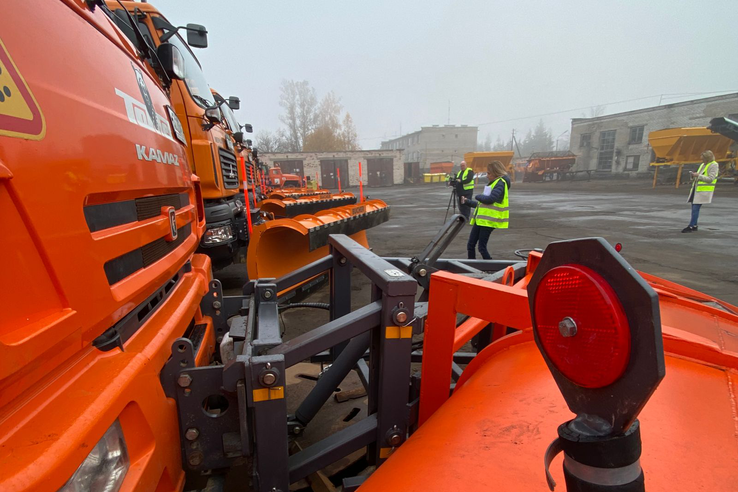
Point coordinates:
[(636, 135), (632, 162), (585, 140), (606, 150)]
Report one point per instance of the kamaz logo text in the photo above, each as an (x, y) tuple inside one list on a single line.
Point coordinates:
[(137, 114), (146, 154)]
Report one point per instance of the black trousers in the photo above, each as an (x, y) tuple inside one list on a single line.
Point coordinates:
[(464, 209), (479, 234)]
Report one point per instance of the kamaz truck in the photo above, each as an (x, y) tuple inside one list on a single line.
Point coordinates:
[(101, 216)]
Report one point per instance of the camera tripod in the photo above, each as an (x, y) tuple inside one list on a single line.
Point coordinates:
[(451, 203)]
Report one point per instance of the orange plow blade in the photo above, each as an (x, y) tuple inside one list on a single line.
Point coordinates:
[(280, 246), (293, 206), (297, 193)]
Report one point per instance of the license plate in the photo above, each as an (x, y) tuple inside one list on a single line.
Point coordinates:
[(358, 210)]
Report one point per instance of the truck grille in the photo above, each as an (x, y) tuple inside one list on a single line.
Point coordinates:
[(107, 215), (229, 166), (121, 267)]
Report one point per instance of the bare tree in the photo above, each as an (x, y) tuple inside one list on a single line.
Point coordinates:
[(595, 111), (300, 104), (267, 141)]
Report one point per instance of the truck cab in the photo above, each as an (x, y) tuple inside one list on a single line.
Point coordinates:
[(101, 217), (211, 149)]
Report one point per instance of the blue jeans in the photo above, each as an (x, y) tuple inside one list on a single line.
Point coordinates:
[(479, 234), (695, 214)]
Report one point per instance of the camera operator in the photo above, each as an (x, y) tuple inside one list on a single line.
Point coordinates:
[(464, 183)]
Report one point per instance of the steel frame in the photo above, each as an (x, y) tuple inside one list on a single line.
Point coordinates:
[(238, 409)]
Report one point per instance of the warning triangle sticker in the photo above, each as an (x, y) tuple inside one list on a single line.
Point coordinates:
[(20, 115)]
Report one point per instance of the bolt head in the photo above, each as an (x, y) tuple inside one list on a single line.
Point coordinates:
[(395, 439), (401, 317), (191, 434), (268, 378), (567, 327), (184, 380), (268, 294), (216, 304), (296, 430), (342, 261), (195, 459), (422, 272)]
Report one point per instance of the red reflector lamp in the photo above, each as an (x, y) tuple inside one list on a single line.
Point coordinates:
[(618, 247), (582, 326)]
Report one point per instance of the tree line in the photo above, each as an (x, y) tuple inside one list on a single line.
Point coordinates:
[(310, 125), (539, 139)]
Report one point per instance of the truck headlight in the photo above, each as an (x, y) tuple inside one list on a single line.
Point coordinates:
[(218, 235), (105, 467)]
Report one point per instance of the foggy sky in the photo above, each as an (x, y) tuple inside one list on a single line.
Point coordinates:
[(395, 64)]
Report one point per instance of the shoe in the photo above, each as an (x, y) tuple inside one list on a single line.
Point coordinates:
[(690, 229)]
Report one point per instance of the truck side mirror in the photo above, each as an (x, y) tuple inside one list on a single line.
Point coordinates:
[(248, 128), (249, 142), (238, 137), (171, 60), (197, 36), (234, 103)]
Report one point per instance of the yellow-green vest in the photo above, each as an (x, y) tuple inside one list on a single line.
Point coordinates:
[(470, 184), (496, 215), (701, 185)]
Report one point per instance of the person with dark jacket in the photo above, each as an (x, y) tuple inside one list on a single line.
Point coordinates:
[(464, 188), (491, 211)]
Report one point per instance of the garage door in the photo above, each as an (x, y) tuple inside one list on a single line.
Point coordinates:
[(329, 173), (380, 171)]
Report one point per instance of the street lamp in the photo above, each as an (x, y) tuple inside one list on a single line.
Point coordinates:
[(557, 139)]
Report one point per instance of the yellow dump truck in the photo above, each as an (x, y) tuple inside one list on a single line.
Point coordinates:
[(684, 146), (477, 161)]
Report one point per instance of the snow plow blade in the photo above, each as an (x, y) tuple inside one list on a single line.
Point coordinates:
[(280, 246), (297, 193), (292, 207)]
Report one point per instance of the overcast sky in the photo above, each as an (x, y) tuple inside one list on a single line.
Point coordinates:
[(396, 64)]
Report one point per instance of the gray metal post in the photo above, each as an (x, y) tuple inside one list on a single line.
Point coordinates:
[(267, 398), (340, 281)]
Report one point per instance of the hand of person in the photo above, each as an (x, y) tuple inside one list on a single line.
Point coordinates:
[(463, 199)]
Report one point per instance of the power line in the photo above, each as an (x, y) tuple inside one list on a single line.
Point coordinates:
[(672, 95)]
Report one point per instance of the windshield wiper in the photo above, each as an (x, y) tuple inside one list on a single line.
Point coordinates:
[(204, 101)]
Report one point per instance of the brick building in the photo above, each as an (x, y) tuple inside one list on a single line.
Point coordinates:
[(435, 144), (618, 143), (379, 167)]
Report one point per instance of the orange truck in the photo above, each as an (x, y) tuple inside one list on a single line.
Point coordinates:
[(210, 148), (94, 296)]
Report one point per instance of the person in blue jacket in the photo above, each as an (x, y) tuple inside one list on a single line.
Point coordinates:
[(491, 211)]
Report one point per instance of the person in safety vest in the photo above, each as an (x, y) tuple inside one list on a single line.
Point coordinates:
[(491, 209), (464, 183), (703, 186)]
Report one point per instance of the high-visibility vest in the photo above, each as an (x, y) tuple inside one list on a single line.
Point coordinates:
[(496, 215), (701, 185), (470, 184)]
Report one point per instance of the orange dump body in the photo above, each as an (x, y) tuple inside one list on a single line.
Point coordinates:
[(491, 434), (273, 244), (545, 163), (89, 191)]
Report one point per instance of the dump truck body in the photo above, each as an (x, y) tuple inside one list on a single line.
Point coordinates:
[(101, 217), (478, 161), (543, 166)]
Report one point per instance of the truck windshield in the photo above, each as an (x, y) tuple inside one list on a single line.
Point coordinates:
[(230, 117), (194, 79)]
